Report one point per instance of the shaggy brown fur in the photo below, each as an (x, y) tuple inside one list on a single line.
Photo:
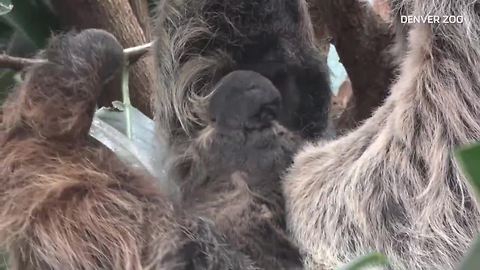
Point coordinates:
[(393, 185), (68, 203)]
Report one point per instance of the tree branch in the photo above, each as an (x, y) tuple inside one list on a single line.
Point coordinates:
[(140, 9), (363, 42), (18, 63)]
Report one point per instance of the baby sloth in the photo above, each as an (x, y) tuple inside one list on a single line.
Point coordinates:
[(232, 174)]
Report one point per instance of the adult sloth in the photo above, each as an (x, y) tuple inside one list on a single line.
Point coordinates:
[(392, 185)]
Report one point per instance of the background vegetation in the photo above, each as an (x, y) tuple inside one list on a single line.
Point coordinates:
[(23, 31)]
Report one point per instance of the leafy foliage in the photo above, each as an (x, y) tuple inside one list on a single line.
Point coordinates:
[(3, 262), (139, 147), (469, 159), (472, 260), (6, 81), (25, 26), (366, 262), (5, 6), (33, 19)]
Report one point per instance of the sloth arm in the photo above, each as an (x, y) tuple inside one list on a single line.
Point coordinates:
[(392, 185)]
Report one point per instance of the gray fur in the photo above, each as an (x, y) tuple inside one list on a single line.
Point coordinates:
[(393, 185), (230, 173), (200, 41)]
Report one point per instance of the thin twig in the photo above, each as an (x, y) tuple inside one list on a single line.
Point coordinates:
[(126, 97), (135, 53), (19, 63)]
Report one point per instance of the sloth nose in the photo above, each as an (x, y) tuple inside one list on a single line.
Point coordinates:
[(268, 113), (263, 116)]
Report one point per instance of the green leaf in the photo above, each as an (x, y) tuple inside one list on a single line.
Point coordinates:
[(5, 6), (3, 261), (5, 37), (143, 150), (370, 260), (472, 260), (7, 81), (20, 45), (469, 159)]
